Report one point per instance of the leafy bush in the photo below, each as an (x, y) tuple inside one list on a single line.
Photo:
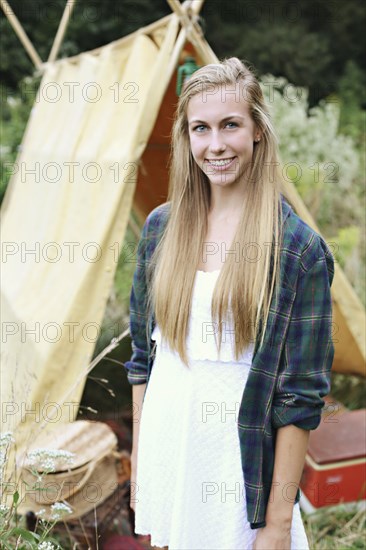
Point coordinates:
[(325, 167), (351, 89)]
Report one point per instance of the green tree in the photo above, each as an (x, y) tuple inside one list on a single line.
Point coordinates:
[(92, 24)]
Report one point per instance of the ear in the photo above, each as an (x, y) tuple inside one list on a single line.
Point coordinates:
[(257, 135)]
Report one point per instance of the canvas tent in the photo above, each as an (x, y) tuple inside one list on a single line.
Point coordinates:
[(83, 165)]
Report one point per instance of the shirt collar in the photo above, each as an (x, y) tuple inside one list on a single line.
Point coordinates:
[(286, 208)]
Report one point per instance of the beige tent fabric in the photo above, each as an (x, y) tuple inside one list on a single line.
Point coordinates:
[(96, 111)]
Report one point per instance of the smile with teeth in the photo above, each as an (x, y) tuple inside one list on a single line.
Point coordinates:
[(221, 162)]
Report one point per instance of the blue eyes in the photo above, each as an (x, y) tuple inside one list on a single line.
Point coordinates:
[(234, 124), (200, 126)]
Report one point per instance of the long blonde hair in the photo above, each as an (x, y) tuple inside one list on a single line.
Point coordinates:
[(175, 261)]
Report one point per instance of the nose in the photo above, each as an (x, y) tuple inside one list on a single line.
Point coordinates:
[(217, 144)]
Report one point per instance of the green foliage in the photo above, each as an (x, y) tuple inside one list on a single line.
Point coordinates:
[(351, 89), (349, 390), (347, 240), (92, 24), (20, 534), (326, 168), (308, 42), (126, 265), (323, 163), (274, 52), (15, 110)]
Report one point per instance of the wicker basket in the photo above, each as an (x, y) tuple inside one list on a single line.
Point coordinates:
[(113, 516), (92, 478)]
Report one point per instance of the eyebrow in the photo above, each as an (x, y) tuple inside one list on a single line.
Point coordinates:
[(195, 121)]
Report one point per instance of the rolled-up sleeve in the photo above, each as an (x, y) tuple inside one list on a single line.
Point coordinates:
[(137, 366), (304, 372)]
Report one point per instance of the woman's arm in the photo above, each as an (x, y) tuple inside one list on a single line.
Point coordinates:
[(136, 368), (303, 380), (291, 445), (138, 391), (303, 377)]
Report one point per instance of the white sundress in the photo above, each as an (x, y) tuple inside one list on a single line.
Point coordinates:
[(190, 488)]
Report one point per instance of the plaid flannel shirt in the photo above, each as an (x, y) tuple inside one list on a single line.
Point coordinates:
[(290, 373)]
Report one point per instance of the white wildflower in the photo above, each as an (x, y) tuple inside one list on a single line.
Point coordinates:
[(13, 101), (48, 460), (46, 546), (41, 512), (59, 509), (6, 438), (3, 510), (4, 151)]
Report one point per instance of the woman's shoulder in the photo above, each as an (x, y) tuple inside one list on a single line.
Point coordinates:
[(301, 242), (158, 216), (160, 211), (156, 221)]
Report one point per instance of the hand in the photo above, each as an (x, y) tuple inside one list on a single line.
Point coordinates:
[(273, 537)]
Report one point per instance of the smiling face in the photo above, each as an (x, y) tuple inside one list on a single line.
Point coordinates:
[(222, 135)]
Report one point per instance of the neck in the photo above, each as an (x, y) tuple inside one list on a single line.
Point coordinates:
[(225, 203)]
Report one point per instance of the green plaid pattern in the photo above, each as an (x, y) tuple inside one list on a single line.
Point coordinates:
[(290, 372)]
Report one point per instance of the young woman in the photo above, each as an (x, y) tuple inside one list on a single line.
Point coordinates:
[(230, 318)]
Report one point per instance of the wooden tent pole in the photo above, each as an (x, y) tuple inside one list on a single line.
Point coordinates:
[(177, 7), (135, 228), (193, 31), (13, 20), (61, 30), (197, 4), (119, 43)]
